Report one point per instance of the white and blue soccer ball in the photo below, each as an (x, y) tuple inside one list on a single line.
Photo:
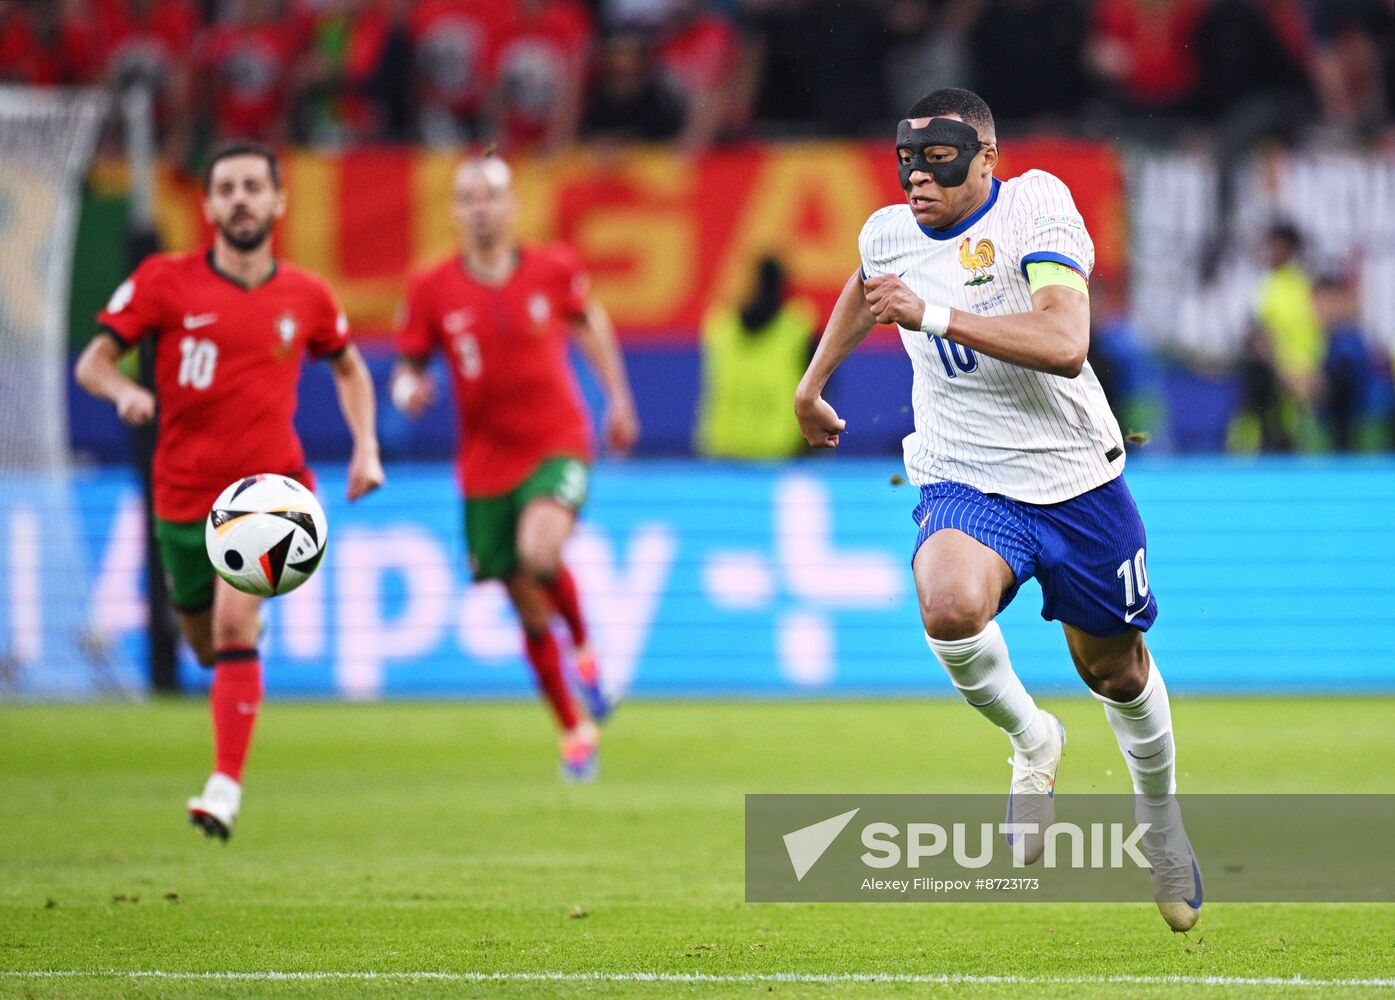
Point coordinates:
[(266, 534)]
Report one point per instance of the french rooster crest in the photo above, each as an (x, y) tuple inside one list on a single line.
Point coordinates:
[(977, 261)]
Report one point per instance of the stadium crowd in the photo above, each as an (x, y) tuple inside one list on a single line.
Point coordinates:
[(541, 73), (538, 75)]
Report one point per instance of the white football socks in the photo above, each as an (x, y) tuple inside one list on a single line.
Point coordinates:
[(1144, 730), (983, 674)]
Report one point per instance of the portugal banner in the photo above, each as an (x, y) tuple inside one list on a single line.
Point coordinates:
[(664, 234)]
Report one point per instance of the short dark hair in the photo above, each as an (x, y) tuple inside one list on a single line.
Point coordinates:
[(1286, 232), (956, 101), (242, 148)]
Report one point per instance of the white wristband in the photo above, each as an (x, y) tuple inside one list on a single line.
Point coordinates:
[(403, 386), (935, 321)]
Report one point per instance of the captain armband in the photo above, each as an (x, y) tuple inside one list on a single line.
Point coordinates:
[(1041, 273)]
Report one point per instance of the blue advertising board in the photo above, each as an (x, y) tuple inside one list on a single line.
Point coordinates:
[(715, 579)]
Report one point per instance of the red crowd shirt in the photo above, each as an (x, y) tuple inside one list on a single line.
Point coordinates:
[(455, 43), (227, 363), (515, 391), (67, 55), (151, 47), (700, 55), (539, 60), (1158, 40), (250, 66)]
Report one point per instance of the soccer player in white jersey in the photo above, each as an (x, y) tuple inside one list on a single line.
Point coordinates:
[(1017, 457)]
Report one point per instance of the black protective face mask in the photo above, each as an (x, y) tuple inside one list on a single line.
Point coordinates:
[(937, 132)]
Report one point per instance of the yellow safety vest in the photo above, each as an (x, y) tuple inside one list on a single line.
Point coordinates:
[(748, 383), (1285, 308)]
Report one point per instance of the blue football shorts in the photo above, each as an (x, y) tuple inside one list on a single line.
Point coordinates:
[(1089, 553)]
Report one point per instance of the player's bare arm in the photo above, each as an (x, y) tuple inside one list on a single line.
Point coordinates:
[(356, 401), (848, 325), (1053, 338), (96, 372), (595, 336)]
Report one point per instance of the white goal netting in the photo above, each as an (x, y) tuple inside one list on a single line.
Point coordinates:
[(49, 642)]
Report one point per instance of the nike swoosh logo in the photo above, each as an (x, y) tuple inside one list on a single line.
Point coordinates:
[(1131, 615), (194, 322), (1195, 901)]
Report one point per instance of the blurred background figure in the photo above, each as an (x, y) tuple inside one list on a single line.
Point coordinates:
[(246, 64), (1119, 359), (1141, 51), (752, 359), (1346, 363), (813, 74), (631, 100), (1284, 351), (1354, 63), (454, 44), (541, 75), (927, 47), (148, 45), (354, 83), (1037, 73), (51, 43), (699, 53), (1252, 70)]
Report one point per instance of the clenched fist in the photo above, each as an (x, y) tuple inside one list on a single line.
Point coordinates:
[(892, 302)]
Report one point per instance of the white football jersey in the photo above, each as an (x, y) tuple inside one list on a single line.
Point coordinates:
[(997, 427)]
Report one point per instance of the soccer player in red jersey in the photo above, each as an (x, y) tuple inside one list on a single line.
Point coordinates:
[(231, 325), (502, 315)]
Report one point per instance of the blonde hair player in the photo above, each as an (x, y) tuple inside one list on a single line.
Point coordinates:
[(504, 315)]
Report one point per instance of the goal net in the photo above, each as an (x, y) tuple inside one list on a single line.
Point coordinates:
[(51, 643)]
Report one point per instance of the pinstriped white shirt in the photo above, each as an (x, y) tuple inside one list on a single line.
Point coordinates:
[(997, 427)]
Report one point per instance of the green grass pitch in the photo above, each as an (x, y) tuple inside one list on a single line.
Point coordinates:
[(404, 839)]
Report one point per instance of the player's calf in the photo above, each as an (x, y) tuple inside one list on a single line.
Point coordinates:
[(197, 627)]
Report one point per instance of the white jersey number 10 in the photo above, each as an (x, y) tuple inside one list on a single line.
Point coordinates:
[(954, 356)]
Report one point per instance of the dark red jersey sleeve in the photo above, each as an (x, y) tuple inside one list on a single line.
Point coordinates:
[(574, 283), (137, 308), (416, 327), (331, 332)]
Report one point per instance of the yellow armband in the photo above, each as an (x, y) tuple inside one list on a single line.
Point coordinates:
[(1041, 273)]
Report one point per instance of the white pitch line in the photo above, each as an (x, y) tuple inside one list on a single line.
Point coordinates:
[(948, 979)]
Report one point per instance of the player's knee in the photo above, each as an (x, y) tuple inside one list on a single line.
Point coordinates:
[(1119, 676), (237, 631), (539, 562), (951, 615)]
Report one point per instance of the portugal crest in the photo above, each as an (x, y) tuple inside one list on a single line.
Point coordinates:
[(977, 261), (286, 329)]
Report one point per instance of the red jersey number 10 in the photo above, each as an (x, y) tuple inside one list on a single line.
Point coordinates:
[(198, 359)]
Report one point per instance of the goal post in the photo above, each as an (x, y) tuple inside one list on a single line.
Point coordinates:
[(51, 640)]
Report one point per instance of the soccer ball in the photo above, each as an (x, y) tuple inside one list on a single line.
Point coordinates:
[(266, 534)]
